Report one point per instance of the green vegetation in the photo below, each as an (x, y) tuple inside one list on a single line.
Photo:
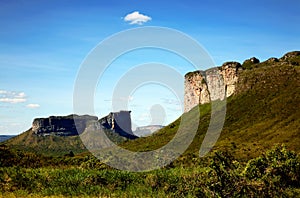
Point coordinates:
[(243, 163), (46, 145), (264, 112), (53, 145), (276, 173)]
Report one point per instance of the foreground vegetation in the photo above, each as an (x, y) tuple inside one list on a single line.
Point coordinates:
[(275, 173), (243, 163)]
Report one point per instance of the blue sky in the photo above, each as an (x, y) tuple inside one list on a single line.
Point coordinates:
[(43, 43)]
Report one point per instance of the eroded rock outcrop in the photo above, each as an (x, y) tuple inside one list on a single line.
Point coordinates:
[(115, 122), (62, 125), (220, 82), (196, 91), (213, 84), (119, 122)]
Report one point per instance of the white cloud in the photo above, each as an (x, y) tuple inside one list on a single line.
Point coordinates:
[(13, 100), (20, 95), (12, 97), (136, 18), (33, 106)]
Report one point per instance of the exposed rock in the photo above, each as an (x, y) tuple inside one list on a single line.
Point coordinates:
[(213, 84), (231, 64), (147, 130), (119, 122), (290, 55), (220, 82), (61, 125), (116, 122), (196, 91), (229, 72), (272, 60)]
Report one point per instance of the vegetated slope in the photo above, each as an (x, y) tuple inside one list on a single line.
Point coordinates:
[(58, 135), (263, 112), (48, 145), (53, 145)]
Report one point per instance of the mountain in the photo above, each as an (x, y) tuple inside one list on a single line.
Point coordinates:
[(5, 137), (58, 135), (143, 131), (262, 111)]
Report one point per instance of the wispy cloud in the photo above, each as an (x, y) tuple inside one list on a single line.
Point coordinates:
[(136, 18), (12, 97), (170, 101), (33, 106)]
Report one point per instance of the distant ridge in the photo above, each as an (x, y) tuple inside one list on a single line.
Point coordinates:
[(143, 131), (5, 137)]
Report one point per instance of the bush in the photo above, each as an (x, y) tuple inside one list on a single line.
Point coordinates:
[(278, 166)]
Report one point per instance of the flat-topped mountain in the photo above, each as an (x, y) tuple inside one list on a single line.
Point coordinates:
[(262, 110), (60, 134), (61, 125)]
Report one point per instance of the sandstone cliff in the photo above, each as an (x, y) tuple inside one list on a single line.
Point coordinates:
[(210, 85), (61, 125), (220, 82), (115, 122)]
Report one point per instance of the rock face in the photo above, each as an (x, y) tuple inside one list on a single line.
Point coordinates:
[(220, 82), (117, 122), (61, 125), (230, 72), (213, 84), (195, 90)]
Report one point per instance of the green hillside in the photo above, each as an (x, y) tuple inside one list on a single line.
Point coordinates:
[(263, 112), (53, 145), (47, 145)]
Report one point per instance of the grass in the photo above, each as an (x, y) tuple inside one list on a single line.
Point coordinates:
[(257, 177), (264, 112)]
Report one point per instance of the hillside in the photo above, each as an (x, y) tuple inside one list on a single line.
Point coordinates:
[(264, 111), (59, 135)]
